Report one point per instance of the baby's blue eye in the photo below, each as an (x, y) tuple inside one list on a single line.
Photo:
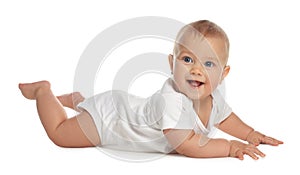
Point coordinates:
[(188, 59), (209, 64)]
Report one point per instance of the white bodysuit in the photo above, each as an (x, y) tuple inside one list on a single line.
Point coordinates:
[(131, 123)]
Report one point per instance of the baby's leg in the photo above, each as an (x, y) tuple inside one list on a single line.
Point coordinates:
[(61, 130), (71, 100)]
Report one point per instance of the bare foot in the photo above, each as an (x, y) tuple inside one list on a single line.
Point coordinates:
[(31, 90), (71, 100)]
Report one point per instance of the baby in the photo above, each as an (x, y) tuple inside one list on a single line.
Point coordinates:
[(180, 118)]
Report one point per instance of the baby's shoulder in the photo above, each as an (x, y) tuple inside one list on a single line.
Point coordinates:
[(163, 103)]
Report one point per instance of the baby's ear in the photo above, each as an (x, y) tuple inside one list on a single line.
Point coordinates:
[(225, 72), (171, 60)]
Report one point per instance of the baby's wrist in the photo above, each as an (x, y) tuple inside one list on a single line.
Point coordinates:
[(233, 148), (250, 133)]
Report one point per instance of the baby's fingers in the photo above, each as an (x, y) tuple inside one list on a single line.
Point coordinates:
[(271, 141), (258, 152), (253, 152), (240, 155)]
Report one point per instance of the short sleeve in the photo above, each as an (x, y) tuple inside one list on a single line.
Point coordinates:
[(176, 113), (170, 109)]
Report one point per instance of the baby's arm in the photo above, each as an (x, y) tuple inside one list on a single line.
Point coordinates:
[(234, 126), (187, 143)]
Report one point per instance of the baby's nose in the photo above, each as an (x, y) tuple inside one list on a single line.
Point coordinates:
[(197, 70)]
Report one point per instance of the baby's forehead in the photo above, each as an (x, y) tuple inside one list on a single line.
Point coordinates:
[(202, 47), (195, 49)]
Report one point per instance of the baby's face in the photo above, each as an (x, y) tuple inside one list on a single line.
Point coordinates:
[(199, 66)]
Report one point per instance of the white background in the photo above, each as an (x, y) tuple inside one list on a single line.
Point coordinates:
[(45, 40)]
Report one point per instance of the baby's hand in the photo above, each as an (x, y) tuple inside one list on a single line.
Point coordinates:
[(238, 149), (257, 138)]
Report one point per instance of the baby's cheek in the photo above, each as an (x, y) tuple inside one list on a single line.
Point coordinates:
[(214, 80)]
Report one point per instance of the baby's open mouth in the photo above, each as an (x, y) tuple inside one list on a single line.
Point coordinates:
[(195, 83)]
